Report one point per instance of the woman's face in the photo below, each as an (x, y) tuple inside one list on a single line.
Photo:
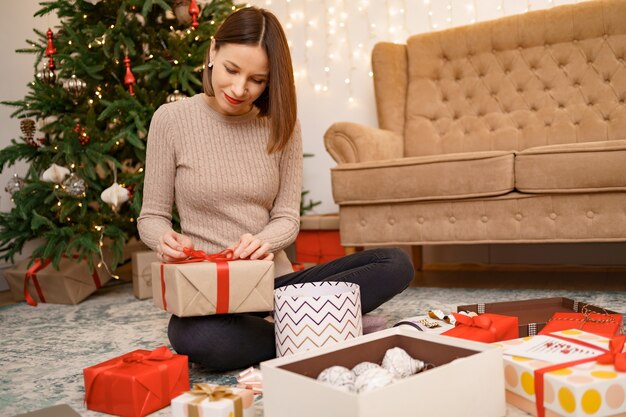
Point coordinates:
[(240, 75)]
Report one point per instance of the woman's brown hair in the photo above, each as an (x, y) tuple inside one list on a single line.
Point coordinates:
[(256, 26)]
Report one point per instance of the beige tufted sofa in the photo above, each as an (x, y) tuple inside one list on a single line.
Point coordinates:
[(506, 131)]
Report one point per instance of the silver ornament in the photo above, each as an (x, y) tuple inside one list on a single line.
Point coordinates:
[(175, 96), (362, 367), (373, 378), (46, 75), (75, 186), (14, 184), (75, 86), (339, 377), (400, 363)]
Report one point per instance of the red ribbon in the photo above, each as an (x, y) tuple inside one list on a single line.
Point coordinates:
[(223, 275), (476, 321), (539, 373), (615, 356)]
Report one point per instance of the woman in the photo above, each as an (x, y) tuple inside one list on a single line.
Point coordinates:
[(231, 159)]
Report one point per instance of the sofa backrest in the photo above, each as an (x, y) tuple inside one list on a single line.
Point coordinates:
[(541, 78)]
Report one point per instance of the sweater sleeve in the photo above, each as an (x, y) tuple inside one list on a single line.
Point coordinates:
[(158, 192), (284, 223)]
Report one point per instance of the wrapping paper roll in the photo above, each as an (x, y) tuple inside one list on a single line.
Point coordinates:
[(316, 314)]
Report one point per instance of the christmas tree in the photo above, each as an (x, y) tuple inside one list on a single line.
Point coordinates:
[(100, 75)]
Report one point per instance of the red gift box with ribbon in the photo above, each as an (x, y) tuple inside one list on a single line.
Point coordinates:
[(137, 383), (40, 282), (207, 284), (487, 328), (602, 324)]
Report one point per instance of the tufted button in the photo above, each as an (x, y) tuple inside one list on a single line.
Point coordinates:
[(493, 51), (589, 61), (492, 129), (553, 216), (363, 222), (607, 118), (519, 89), (621, 100), (576, 83), (533, 108), (590, 214), (621, 60), (576, 123), (605, 36), (452, 219), (507, 71), (561, 106), (546, 88), (420, 220), (548, 123), (518, 216), (519, 48), (484, 219), (392, 221)]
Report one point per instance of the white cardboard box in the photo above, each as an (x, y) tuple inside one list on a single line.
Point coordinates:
[(467, 380)]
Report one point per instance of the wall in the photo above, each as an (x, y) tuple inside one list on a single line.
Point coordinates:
[(331, 42)]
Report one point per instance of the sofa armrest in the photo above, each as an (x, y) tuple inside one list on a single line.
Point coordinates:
[(350, 142)]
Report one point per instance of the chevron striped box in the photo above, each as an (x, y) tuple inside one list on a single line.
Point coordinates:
[(467, 379), (316, 314)]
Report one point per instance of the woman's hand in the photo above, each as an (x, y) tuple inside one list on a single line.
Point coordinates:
[(171, 244), (249, 247)]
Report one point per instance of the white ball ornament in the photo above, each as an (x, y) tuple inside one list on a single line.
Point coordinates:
[(55, 174), (400, 363), (115, 195)]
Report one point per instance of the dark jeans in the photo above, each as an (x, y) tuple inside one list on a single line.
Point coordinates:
[(234, 341)]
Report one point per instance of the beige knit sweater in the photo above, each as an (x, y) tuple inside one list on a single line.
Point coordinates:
[(218, 172)]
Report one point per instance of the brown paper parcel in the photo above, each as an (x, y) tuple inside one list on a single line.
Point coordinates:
[(70, 285), (142, 273), (190, 289)]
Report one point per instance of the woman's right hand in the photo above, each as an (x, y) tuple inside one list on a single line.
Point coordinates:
[(171, 244)]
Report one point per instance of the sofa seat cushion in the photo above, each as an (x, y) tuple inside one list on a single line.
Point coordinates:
[(448, 176), (572, 167)]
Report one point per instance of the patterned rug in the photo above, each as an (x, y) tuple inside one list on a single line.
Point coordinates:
[(45, 349)]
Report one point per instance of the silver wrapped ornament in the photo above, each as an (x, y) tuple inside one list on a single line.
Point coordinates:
[(400, 363), (75, 86), (14, 184), (374, 378), (75, 186), (175, 96), (362, 367), (339, 377), (46, 75)]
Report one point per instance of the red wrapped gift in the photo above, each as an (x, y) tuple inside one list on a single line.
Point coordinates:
[(137, 383), (602, 324), (486, 327)]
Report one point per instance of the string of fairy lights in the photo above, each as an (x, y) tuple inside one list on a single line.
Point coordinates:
[(331, 40)]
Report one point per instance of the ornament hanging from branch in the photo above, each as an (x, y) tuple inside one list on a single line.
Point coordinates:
[(75, 186), (194, 11), (14, 184), (27, 126), (115, 196), (50, 50), (46, 75), (175, 96), (129, 78), (55, 174), (181, 11), (75, 86)]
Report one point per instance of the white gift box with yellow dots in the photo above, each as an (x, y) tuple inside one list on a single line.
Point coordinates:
[(584, 390)]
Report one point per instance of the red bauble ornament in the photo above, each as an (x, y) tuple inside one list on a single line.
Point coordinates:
[(129, 78), (194, 11), (50, 50)]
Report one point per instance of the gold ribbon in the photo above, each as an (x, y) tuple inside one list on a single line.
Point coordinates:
[(212, 393), (587, 312)]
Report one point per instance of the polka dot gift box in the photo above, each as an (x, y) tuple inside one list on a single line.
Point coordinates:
[(578, 390)]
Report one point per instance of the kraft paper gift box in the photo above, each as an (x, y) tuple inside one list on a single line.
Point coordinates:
[(486, 328), (467, 379), (137, 383), (205, 288), (533, 314), (207, 400), (142, 273), (40, 282), (607, 325), (583, 390)]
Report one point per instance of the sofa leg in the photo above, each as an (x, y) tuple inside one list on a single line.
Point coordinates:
[(416, 254)]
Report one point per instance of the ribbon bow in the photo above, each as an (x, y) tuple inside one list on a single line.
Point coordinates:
[(199, 256), (615, 356), (159, 354), (476, 321), (213, 393), (251, 379)]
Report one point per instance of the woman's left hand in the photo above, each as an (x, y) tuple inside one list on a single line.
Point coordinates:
[(249, 247)]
